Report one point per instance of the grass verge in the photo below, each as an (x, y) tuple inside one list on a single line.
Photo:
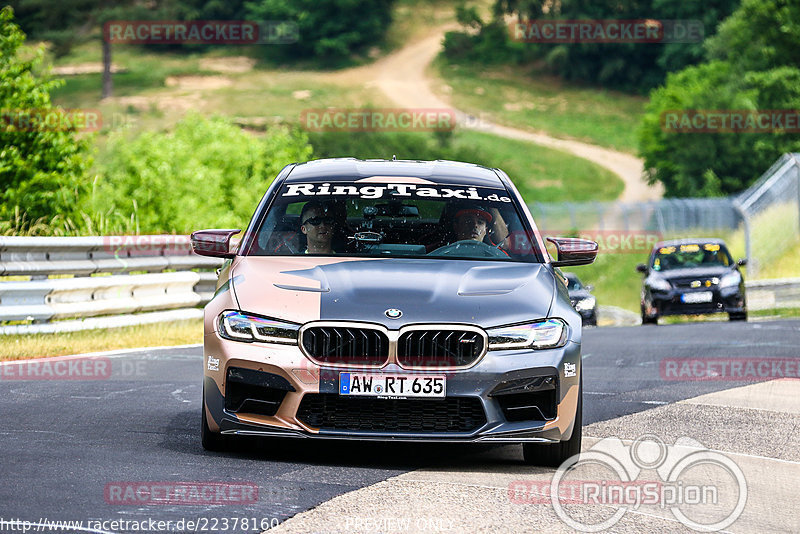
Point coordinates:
[(519, 96), (22, 347)]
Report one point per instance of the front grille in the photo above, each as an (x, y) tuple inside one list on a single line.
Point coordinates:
[(335, 412), (346, 345), (686, 283), (439, 348)]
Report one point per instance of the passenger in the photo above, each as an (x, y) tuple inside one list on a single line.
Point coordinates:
[(318, 225)]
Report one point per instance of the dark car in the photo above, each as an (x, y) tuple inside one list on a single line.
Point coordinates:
[(582, 299), (696, 276), (397, 301)]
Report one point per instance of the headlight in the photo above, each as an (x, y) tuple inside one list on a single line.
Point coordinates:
[(585, 304), (238, 326), (546, 334), (659, 284), (730, 279)]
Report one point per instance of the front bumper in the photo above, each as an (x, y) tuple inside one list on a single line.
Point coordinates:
[(502, 386), (725, 300)]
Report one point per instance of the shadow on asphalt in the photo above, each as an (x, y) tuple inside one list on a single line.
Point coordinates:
[(182, 435)]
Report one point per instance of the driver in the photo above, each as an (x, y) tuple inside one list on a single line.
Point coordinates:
[(471, 223)]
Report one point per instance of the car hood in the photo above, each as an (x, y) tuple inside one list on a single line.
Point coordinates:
[(698, 272), (301, 289)]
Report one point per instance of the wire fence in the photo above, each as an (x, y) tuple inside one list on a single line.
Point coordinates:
[(761, 223)]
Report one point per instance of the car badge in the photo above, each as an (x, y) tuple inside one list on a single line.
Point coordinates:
[(695, 283), (393, 313)]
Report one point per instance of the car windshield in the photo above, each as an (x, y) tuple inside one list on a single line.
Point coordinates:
[(573, 283), (384, 218), (691, 256)]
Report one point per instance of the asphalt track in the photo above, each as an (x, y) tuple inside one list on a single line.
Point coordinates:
[(65, 442)]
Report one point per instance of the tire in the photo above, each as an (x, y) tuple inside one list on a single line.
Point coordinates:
[(553, 455), (742, 316), (212, 441), (649, 320)]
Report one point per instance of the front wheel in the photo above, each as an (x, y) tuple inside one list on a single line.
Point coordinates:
[(554, 454), (742, 316), (212, 441), (646, 319)]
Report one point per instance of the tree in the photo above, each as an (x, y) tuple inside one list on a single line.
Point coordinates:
[(328, 29), (757, 51), (42, 161)]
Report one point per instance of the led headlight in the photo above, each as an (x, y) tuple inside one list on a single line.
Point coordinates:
[(730, 279), (239, 326), (545, 334), (659, 284), (585, 304)]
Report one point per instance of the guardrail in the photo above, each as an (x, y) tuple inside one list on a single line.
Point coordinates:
[(776, 293), (93, 285), (85, 300)]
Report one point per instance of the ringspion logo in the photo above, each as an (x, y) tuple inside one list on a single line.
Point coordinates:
[(591, 491)]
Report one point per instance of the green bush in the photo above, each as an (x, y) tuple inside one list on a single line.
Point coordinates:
[(42, 167), (205, 173)]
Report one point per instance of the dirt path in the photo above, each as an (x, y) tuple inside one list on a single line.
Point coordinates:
[(402, 77)]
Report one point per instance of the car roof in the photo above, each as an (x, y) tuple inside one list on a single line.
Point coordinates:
[(690, 241), (439, 171)]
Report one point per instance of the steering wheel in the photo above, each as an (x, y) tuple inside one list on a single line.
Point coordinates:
[(469, 248)]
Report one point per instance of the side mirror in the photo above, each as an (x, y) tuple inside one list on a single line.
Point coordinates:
[(214, 243), (590, 287), (641, 268), (742, 262), (573, 251)]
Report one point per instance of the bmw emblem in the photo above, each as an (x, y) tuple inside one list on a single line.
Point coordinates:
[(393, 313)]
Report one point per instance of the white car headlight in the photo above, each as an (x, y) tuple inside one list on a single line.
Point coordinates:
[(239, 326), (585, 304), (730, 279), (659, 284), (545, 334)]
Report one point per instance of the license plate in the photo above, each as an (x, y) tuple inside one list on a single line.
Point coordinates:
[(694, 298), (382, 385)]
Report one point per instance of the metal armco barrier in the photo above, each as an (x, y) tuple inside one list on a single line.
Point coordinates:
[(768, 294), (119, 299), (112, 299)]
